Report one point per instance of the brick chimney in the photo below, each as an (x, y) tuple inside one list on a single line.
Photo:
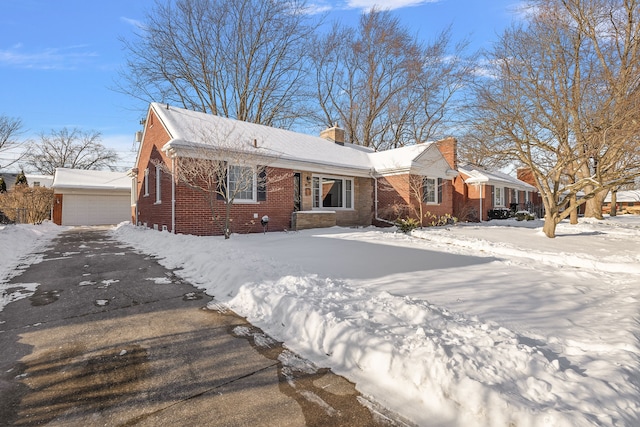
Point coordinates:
[(449, 149), (526, 175), (334, 134)]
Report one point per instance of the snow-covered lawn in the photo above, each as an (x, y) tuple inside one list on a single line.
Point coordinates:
[(18, 244), (469, 325)]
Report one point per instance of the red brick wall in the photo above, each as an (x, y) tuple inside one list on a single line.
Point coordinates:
[(525, 174), (449, 149), (396, 191), (149, 211), (194, 216)]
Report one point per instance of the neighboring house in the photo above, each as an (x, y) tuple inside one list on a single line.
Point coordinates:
[(310, 181), (33, 180), (479, 191), (627, 201), (90, 197)]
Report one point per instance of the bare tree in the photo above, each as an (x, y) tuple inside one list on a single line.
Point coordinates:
[(73, 149), (381, 85), (554, 102), (474, 148), (10, 129), (610, 137), (27, 204), (242, 59)]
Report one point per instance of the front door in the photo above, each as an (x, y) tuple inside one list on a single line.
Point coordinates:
[(297, 195)]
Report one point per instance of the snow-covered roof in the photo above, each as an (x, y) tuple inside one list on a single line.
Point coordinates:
[(625, 196), (91, 179), (42, 180), (189, 129), (417, 158), (477, 175)]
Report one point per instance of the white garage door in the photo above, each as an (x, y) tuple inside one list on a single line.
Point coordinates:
[(85, 209)]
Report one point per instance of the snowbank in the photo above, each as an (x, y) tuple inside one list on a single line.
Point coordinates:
[(472, 325), (19, 245)]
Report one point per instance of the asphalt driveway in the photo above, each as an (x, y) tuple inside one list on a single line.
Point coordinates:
[(111, 338)]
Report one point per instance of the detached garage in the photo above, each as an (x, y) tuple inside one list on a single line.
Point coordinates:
[(88, 197)]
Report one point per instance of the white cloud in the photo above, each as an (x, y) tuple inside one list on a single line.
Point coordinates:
[(386, 4), (68, 57), (133, 22)]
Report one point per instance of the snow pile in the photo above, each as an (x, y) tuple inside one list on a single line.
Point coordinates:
[(17, 246), (472, 325)]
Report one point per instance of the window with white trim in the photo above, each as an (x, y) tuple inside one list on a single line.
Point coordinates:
[(146, 182), (429, 190), (241, 183), (134, 190), (332, 192), (158, 180), (498, 196)]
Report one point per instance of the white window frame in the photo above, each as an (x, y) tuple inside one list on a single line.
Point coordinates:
[(498, 196), (254, 184), (348, 190), (435, 200), (146, 182), (134, 190), (158, 184)]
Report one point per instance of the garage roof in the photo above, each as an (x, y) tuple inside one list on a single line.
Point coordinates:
[(91, 179)]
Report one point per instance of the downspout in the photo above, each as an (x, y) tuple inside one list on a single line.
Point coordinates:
[(375, 200), (134, 185), (133, 174), (173, 194), (481, 213)]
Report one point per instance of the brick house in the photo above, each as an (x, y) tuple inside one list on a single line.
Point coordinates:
[(299, 181), (477, 191), (627, 201)]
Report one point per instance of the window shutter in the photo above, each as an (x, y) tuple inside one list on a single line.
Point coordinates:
[(221, 185), (262, 183), (424, 189), (439, 190)]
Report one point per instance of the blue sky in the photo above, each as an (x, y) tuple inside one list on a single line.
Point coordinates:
[(59, 59)]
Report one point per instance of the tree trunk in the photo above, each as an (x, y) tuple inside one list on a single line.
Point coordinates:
[(227, 220), (550, 222), (614, 202), (593, 207), (573, 216)]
